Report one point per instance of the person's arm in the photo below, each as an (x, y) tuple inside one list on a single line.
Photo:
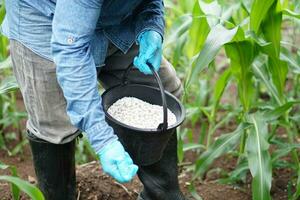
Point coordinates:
[(73, 26), (149, 32), (150, 16)]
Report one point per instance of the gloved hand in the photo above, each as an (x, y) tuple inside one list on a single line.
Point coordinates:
[(150, 50), (117, 163)]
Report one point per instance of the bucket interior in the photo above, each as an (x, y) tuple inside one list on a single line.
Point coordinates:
[(146, 93)]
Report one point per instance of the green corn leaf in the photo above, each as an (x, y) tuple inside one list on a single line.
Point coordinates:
[(180, 153), (2, 11), (3, 166), (193, 191), (8, 84), (217, 37), (14, 188), (283, 151), (18, 148), (247, 4), (258, 40), (278, 70), (279, 111), (169, 4), (239, 36), (228, 13), (178, 50), (296, 195), (185, 5), (197, 32), (258, 12), (179, 28), (238, 174), (222, 145), (284, 3), (271, 28), (213, 9), (192, 146), (219, 88), (241, 56), (7, 63), (259, 159), (291, 13), (26, 187), (259, 69), (4, 52), (287, 56)]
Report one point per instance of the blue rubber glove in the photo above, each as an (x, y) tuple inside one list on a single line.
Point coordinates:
[(117, 163), (150, 50)]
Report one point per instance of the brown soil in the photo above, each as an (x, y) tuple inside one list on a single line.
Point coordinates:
[(93, 184)]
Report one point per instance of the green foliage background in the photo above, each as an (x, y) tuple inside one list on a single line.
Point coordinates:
[(239, 61)]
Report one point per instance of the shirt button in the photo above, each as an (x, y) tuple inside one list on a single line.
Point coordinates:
[(70, 40)]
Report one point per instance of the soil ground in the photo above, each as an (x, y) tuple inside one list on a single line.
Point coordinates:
[(92, 184)]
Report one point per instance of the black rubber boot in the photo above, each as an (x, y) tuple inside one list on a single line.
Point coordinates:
[(160, 180), (55, 168)]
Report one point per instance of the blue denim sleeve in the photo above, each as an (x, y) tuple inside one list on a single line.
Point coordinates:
[(150, 17), (73, 26)]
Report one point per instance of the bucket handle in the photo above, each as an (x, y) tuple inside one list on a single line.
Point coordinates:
[(163, 126)]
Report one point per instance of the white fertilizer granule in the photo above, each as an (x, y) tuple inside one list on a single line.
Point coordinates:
[(140, 114)]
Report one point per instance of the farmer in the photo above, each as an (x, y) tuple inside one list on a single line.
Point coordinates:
[(60, 50)]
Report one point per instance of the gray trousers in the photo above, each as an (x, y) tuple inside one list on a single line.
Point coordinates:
[(43, 97)]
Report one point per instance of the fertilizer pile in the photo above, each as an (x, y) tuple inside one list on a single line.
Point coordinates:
[(140, 114)]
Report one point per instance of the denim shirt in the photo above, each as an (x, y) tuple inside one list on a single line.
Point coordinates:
[(75, 35)]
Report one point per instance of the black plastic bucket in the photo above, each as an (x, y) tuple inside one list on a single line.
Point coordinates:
[(145, 146)]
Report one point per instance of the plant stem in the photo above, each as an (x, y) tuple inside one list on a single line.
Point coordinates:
[(243, 143), (210, 132)]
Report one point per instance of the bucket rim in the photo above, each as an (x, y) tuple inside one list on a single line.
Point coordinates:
[(147, 130)]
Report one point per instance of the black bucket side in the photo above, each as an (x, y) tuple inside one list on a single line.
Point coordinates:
[(145, 146)]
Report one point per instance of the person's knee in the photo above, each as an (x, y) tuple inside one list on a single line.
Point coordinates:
[(170, 79)]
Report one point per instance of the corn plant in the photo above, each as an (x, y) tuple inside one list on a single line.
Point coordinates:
[(18, 185), (248, 34), (9, 115)]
